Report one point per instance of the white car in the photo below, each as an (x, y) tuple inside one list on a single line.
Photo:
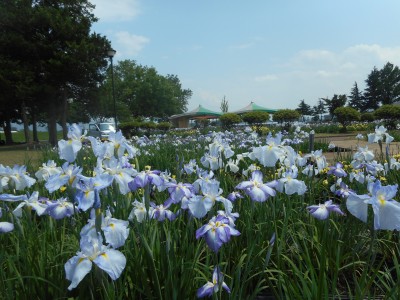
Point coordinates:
[(101, 130)]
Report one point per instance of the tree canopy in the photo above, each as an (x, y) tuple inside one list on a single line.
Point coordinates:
[(335, 102), (142, 91), (48, 58), (346, 115)]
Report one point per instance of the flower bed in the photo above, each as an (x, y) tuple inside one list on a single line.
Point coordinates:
[(230, 214)]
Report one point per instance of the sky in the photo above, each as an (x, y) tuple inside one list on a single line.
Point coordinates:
[(274, 53)]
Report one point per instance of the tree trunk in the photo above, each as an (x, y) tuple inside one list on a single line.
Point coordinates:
[(7, 131), (34, 126), (64, 114), (52, 124), (26, 123)]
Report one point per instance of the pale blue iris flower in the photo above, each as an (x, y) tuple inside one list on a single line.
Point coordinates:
[(289, 184), (87, 194), (138, 211), (122, 175), (15, 178), (46, 170), (256, 189), (60, 208), (386, 210), (68, 176), (116, 231), (69, 149), (34, 202), (321, 211), (93, 251), (5, 226), (337, 170)]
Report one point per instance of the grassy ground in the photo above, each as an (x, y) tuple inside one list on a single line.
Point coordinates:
[(21, 154)]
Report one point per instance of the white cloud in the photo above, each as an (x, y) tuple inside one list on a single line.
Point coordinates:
[(116, 10), (129, 44), (379, 53)]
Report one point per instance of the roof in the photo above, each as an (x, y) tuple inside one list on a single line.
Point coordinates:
[(254, 107), (200, 111)]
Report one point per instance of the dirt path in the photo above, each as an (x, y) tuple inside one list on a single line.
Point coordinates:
[(347, 144)]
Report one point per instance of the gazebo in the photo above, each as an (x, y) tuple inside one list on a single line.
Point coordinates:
[(254, 107), (182, 120)]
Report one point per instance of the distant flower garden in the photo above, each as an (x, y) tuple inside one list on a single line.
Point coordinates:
[(161, 216)]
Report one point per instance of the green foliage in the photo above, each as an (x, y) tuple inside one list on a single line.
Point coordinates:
[(367, 117), (256, 119), (383, 86), (335, 102), (304, 109), (356, 98), (286, 115), (142, 91), (130, 129), (164, 126), (389, 113), (228, 120), (346, 115), (224, 105)]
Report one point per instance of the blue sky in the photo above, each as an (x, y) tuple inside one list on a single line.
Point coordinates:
[(274, 53)]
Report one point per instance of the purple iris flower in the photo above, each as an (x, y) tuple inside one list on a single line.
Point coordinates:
[(337, 170), (343, 191), (161, 212), (256, 189), (217, 232), (233, 196), (321, 211), (178, 191), (144, 178), (209, 288)]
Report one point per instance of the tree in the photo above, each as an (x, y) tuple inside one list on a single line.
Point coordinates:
[(286, 116), (389, 113), (389, 83), (142, 92), (372, 90), (335, 102), (228, 120), (256, 118), (382, 86), (54, 54), (367, 117), (224, 105), (346, 115), (356, 99), (318, 109), (304, 109)]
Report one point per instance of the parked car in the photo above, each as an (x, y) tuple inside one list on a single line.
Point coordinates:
[(101, 130)]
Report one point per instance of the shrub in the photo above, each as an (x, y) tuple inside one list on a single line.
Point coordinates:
[(228, 120), (346, 115), (130, 129), (389, 113), (286, 116), (367, 117), (256, 118), (164, 126)]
